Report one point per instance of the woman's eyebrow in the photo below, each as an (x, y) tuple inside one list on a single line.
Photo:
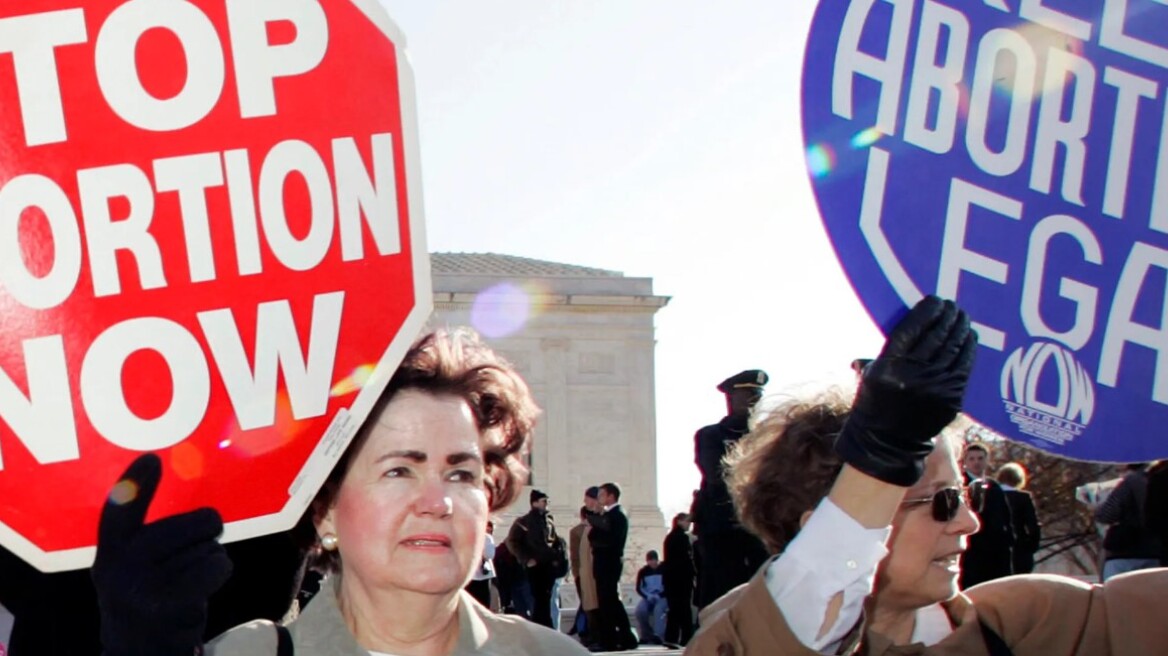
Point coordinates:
[(408, 454), (463, 456)]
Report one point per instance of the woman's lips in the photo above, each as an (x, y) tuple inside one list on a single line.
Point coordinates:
[(427, 542), (950, 562)]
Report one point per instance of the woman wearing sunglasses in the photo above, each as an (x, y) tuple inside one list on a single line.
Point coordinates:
[(868, 509)]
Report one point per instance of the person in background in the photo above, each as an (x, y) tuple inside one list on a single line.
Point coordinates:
[(858, 366), (679, 582), (1027, 530), (560, 568), (730, 554), (581, 557), (610, 531), (531, 540), (1128, 544), (990, 554), (650, 611), (480, 582), (514, 596), (1156, 510)]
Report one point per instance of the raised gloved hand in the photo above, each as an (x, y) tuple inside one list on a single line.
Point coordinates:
[(153, 580), (909, 393)]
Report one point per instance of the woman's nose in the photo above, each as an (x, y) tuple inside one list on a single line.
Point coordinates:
[(966, 521), (433, 499)]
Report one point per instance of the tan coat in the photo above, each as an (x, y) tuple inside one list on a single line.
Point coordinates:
[(589, 599), (1036, 615), (321, 631)]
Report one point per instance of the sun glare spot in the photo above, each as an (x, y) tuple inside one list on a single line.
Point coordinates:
[(820, 160)]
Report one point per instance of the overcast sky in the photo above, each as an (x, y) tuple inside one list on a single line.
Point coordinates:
[(657, 138)]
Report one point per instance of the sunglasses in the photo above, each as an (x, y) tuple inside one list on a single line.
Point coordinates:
[(947, 502)]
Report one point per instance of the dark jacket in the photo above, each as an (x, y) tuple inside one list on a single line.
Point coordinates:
[(1128, 535), (713, 511), (1027, 530), (610, 531), (997, 520), (678, 564), (532, 537), (990, 552), (1156, 510)]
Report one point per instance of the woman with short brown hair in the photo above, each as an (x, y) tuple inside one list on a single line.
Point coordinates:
[(781, 469), (401, 516), (876, 556)]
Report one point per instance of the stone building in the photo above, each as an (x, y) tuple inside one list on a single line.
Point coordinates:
[(583, 339)]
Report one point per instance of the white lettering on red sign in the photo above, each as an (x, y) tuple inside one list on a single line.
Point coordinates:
[(348, 198)]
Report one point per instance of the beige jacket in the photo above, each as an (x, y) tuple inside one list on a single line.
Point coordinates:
[(1036, 615), (321, 631), (589, 598)]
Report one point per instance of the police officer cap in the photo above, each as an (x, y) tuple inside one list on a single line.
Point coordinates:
[(755, 378)]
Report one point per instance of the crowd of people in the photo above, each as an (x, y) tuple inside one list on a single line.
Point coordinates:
[(529, 566), (834, 525)]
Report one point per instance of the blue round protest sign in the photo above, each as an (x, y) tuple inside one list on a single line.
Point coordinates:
[(1011, 155)]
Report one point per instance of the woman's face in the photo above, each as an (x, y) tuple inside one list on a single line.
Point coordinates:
[(410, 512), (922, 566)]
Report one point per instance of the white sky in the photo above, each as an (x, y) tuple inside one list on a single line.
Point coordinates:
[(660, 138)]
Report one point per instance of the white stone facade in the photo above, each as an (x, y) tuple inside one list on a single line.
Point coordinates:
[(587, 351)]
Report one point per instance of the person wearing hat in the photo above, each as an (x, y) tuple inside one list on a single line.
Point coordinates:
[(729, 554), (533, 539)]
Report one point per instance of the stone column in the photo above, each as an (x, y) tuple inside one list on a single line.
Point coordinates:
[(551, 477)]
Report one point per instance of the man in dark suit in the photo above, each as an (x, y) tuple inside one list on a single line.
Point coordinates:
[(730, 554), (679, 582), (990, 553), (610, 531)]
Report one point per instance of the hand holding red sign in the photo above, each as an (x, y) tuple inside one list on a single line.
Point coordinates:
[(210, 248), (153, 580)]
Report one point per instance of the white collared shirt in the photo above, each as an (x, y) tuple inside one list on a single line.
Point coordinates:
[(832, 554), (835, 554)]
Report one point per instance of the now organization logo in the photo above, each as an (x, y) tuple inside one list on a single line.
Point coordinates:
[(1047, 392)]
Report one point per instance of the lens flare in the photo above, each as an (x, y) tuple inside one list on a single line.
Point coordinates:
[(865, 138), (124, 492), (820, 160), (258, 441), (187, 461), (501, 310), (354, 382), (1030, 78)]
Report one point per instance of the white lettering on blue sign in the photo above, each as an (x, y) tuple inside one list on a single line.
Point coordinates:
[(1012, 155)]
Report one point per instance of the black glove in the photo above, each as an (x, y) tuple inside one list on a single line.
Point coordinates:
[(909, 393), (153, 581)]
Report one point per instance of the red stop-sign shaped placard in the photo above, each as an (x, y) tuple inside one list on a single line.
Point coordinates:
[(211, 247)]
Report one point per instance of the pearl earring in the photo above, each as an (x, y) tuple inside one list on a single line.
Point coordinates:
[(328, 542)]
